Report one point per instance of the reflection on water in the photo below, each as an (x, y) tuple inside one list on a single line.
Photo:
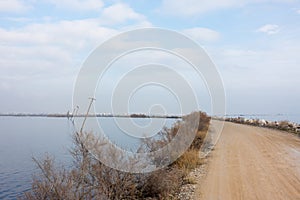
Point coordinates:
[(23, 138)]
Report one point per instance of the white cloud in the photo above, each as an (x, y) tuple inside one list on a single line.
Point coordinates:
[(48, 51), (72, 35), (202, 34), (119, 13), (13, 6), (274, 67), (193, 7), (40, 49), (83, 5), (16, 19), (269, 29), (189, 8), (298, 11), (46, 55)]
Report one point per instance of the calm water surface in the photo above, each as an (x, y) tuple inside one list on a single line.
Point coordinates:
[(23, 138)]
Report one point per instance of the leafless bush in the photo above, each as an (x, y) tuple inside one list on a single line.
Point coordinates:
[(189, 159), (88, 178), (203, 121), (163, 183)]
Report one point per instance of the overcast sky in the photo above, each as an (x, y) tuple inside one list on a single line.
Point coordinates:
[(255, 45)]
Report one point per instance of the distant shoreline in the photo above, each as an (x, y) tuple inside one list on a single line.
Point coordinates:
[(70, 115)]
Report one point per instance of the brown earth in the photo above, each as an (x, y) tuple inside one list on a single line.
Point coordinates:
[(252, 163)]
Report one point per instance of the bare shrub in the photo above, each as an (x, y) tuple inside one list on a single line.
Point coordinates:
[(163, 183), (88, 178), (190, 159), (167, 134), (203, 121)]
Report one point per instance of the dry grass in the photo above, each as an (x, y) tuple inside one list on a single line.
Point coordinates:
[(188, 161)]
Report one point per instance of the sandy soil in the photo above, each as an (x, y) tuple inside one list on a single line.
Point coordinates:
[(252, 163)]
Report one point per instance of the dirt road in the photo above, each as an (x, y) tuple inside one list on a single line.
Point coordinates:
[(252, 163)]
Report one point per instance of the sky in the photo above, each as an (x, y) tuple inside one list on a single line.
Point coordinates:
[(255, 45)]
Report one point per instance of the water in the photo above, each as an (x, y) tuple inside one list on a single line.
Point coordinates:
[(22, 138)]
